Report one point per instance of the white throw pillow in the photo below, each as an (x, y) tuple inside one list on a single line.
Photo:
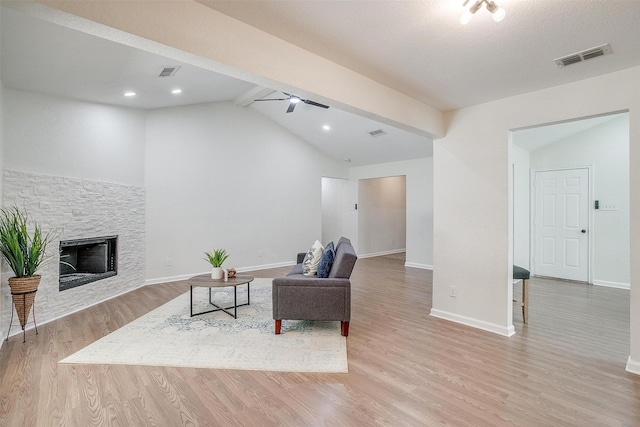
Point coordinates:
[(312, 259)]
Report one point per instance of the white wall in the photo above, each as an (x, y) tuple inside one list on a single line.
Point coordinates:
[(335, 208), (419, 182), (57, 136), (382, 215), (521, 207), (606, 149), (473, 203), (1, 156), (220, 176)]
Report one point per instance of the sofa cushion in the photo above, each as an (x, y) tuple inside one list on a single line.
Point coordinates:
[(326, 261), (312, 259), (295, 270)]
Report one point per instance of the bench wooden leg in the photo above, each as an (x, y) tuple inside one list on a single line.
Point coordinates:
[(278, 326), (344, 327)]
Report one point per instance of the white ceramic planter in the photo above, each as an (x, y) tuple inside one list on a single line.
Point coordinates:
[(217, 273)]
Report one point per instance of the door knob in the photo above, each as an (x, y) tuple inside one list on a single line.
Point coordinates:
[(583, 231)]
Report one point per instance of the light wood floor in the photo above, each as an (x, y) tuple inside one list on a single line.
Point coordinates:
[(565, 368)]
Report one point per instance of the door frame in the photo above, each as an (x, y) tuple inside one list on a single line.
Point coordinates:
[(532, 210)]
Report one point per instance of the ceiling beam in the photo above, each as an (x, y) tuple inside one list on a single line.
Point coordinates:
[(193, 33), (248, 97)]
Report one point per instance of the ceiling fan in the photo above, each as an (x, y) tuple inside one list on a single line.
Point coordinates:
[(293, 100)]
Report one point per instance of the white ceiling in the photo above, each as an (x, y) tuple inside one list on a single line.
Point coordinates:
[(416, 47), (40, 56), (420, 48)]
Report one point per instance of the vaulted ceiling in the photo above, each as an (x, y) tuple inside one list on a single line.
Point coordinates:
[(416, 47)]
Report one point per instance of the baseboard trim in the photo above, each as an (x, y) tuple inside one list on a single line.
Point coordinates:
[(416, 265), (266, 266), (474, 323), (633, 367), (391, 252), (607, 284), (28, 328), (182, 277)]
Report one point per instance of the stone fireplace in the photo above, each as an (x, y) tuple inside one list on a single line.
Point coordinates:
[(112, 217), (84, 261)]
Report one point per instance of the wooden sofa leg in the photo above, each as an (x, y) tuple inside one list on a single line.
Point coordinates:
[(344, 326), (525, 301), (278, 326)]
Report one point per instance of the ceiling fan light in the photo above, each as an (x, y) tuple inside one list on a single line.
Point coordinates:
[(498, 14), (465, 18), (294, 100), (468, 14)]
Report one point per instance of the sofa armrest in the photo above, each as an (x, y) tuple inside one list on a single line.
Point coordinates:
[(300, 257)]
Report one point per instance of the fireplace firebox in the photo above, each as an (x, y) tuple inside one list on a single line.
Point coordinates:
[(84, 261)]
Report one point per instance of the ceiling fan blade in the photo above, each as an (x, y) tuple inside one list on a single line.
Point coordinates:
[(315, 104), (272, 99), (291, 107)]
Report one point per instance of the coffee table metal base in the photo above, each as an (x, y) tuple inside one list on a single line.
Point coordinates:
[(217, 307)]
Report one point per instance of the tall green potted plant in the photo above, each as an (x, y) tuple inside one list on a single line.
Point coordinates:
[(23, 245)]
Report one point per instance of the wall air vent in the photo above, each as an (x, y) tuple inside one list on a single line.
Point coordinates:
[(378, 132), (584, 55), (168, 71)]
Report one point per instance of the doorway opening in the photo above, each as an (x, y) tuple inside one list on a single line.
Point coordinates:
[(382, 216), (599, 145)]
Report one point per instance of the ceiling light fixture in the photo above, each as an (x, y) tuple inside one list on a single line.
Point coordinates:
[(129, 94), (176, 91), (497, 13), (294, 100), (326, 127)]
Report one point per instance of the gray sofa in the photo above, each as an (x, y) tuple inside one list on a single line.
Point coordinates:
[(300, 297)]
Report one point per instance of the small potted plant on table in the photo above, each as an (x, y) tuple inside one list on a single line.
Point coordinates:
[(216, 259), (23, 245)]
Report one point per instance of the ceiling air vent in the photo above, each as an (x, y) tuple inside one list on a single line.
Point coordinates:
[(594, 52), (378, 132), (168, 71)]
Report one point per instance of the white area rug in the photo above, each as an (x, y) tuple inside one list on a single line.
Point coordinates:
[(167, 336)]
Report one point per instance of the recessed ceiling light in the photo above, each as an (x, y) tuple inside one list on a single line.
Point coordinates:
[(129, 94), (176, 91), (326, 127)]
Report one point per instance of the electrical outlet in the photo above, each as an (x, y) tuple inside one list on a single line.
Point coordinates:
[(260, 253), (168, 262), (452, 291)]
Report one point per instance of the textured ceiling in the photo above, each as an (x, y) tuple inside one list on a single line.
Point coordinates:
[(420, 48)]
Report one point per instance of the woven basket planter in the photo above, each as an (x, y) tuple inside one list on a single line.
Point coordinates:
[(23, 293)]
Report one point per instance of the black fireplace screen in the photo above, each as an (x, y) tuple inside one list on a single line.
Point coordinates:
[(84, 261)]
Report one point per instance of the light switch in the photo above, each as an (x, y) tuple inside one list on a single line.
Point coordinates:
[(608, 206)]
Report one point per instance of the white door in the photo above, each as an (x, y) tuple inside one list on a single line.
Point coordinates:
[(561, 224)]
